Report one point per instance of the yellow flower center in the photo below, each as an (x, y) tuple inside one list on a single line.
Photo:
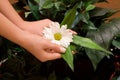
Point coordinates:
[(57, 36)]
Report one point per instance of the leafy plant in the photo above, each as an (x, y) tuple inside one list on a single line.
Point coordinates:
[(96, 35)]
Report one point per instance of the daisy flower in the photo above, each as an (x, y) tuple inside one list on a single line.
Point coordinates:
[(58, 34)]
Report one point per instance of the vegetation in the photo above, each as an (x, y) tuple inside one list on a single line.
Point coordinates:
[(91, 62)]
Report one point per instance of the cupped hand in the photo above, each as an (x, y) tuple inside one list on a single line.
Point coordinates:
[(41, 48), (35, 27)]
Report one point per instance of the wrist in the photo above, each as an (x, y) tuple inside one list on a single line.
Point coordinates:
[(27, 40), (21, 24), (24, 39)]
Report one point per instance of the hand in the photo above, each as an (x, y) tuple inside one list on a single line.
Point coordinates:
[(41, 48), (35, 27)]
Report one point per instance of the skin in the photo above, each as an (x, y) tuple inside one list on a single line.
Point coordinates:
[(34, 27), (27, 34)]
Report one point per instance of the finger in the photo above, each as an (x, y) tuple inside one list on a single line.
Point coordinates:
[(41, 56), (53, 56), (73, 32), (46, 22), (49, 50), (56, 48)]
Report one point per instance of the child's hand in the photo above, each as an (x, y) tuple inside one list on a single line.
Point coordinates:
[(41, 48), (35, 27)]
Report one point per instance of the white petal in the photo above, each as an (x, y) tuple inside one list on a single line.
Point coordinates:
[(63, 27), (48, 34), (65, 44), (55, 28), (56, 42)]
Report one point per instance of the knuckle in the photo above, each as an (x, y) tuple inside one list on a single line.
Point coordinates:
[(48, 20), (43, 60)]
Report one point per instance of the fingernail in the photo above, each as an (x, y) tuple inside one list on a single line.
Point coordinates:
[(74, 33), (62, 49)]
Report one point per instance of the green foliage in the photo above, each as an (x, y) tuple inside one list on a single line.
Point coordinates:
[(95, 36), (94, 56), (103, 36), (34, 9), (68, 57), (90, 7), (86, 42), (67, 20), (116, 43)]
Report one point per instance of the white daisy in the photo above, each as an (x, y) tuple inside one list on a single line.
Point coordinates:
[(59, 35)]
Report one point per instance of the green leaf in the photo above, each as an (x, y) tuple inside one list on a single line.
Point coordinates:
[(70, 17), (103, 36), (68, 57), (84, 17), (88, 43), (48, 4), (102, 12), (57, 5), (34, 9), (90, 7), (116, 43), (93, 50), (90, 26), (95, 56), (37, 1)]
